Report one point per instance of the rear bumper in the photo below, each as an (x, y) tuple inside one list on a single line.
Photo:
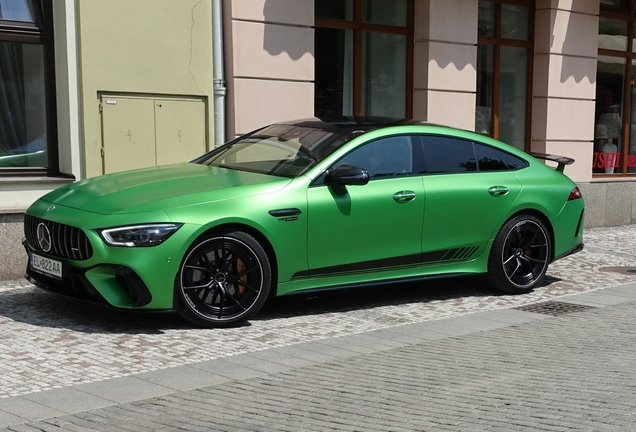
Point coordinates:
[(567, 228), (577, 248)]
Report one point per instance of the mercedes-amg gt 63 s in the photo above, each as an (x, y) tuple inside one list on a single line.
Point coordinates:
[(306, 205)]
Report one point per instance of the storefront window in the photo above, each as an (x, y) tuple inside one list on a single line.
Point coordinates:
[(334, 9), (513, 85), (486, 23), (514, 22), (334, 77), (17, 10), (612, 34), (608, 131), (25, 78), (385, 12), (485, 89), (362, 57), (503, 60), (384, 74), (22, 106), (615, 112)]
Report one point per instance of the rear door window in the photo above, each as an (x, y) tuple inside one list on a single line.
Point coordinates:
[(445, 155)]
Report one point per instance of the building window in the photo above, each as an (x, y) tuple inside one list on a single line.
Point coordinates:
[(504, 57), (363, 52), (615, 113), (27, 123)]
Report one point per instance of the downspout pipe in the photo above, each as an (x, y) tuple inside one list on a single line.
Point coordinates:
[(218, 74)]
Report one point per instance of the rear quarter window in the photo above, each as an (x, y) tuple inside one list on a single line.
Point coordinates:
[(512, 162), (447, 155)]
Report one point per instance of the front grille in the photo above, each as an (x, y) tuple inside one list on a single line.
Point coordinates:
[(66, 241)]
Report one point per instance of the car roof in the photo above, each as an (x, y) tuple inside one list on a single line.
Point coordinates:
[(363, 123)]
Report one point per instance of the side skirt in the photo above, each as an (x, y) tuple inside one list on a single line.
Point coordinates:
[(376, 283)]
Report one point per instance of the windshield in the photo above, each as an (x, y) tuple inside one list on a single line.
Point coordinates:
[(280, 150)]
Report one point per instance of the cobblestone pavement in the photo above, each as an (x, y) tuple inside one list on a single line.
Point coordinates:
[(502, 370), (50, 342)]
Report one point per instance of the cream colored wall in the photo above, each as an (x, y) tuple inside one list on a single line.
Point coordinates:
[(269, 62), (445, 59), (150, 47), (564, 83)]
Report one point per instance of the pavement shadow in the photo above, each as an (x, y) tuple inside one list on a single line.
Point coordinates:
[(37, 307), (394, 294), (40, 308)]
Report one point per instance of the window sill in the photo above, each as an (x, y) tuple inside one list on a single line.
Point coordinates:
[(35, 179)]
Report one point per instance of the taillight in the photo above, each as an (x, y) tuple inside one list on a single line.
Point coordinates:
[(575, 194)]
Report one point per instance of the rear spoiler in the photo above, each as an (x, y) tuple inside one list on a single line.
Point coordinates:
[(562, 161)]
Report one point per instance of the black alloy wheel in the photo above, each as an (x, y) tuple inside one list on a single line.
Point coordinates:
[(223, 281), (520, 255)]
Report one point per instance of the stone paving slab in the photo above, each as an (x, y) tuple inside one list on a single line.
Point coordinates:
[(68, 400)]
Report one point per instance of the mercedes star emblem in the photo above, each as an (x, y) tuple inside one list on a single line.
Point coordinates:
[(44, 237)]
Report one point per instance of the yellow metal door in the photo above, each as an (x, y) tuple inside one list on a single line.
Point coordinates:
[(128, 128), (180, 130)]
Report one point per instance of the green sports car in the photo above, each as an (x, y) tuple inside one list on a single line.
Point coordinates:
[(306, 205)]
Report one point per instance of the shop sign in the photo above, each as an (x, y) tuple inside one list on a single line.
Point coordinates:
[(608, 160)]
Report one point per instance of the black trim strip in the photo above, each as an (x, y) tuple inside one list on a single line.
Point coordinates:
[(393, 263), (360, 266), (578, 226), (376, 283), (285, 212)]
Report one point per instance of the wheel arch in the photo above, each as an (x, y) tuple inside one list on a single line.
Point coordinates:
[(542, 217)]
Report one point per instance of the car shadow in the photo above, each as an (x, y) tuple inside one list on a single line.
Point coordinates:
[(37, 307), (395, 294)]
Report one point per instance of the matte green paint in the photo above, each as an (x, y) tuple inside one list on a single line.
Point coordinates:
[(449, 211), (364, 224)]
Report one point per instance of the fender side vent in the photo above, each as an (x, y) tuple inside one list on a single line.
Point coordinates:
[(554, 308)]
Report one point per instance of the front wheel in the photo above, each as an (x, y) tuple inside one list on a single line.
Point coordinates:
[(519, 256), (224, 280)]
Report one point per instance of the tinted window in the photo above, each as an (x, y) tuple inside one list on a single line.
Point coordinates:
[(487, 159), (448, 155), (386, 157), (512, 162)]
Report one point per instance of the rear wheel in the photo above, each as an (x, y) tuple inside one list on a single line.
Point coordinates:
[(519, 256), (224, 280)]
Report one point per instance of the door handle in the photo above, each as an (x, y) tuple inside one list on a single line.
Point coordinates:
[(404, 196), (498, 190)]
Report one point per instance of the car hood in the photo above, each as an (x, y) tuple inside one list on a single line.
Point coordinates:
[(160, 188)]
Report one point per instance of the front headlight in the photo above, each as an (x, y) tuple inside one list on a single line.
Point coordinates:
[(138, 235)]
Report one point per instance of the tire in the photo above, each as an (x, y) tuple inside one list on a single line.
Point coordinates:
[(223, 281), (519, 256)]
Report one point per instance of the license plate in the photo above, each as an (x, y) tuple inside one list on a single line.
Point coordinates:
[(46, 265)]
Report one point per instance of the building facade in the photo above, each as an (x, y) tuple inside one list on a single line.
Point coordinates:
[(91, 87)]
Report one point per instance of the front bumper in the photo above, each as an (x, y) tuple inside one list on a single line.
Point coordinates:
[(131, 290), (122, 277)]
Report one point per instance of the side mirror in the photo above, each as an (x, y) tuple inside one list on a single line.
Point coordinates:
[(346, 175)]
